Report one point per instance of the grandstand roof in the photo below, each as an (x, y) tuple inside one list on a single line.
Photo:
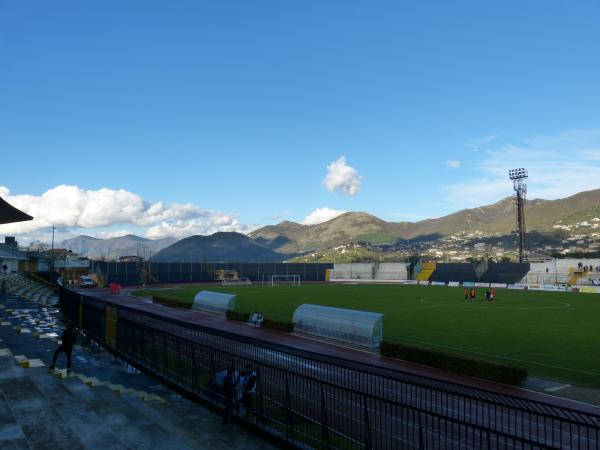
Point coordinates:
[(10, 214)]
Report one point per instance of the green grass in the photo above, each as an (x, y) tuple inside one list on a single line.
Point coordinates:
[(551, 334)]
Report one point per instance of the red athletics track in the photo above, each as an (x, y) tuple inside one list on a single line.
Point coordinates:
[(327, 349)]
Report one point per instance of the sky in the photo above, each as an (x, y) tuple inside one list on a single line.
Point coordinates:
[(178, 118)]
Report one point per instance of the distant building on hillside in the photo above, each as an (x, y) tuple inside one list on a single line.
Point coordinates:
[(11, 257), (10, 241), (70, 266), (131, 258)]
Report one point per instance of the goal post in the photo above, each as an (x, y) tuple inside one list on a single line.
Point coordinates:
[(276, 280)]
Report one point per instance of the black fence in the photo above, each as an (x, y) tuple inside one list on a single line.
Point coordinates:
[(129, 273), (313, 401)]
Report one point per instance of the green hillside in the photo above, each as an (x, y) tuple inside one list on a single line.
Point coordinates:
[(498, 218)]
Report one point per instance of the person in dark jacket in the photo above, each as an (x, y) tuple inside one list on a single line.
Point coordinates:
[(249, 380), (229, 389), (68, 338)]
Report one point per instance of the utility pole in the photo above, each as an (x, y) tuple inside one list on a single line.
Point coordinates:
[(52, 255)]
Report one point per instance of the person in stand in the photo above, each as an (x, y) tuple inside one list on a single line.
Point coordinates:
[(68, 338), (248, 382), (3, 290), (229, 390), (473, 294)]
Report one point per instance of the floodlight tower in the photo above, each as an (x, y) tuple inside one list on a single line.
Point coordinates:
[(518, 176)]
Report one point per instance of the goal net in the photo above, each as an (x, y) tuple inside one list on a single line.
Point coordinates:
[(276, 280)]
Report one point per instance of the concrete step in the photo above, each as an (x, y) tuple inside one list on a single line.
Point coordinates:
[(40, 423), (176, 437), (91, 418), (185, 430), (134, 428), (11, 434), (85, 424)]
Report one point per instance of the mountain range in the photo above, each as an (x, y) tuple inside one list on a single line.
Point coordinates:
[(277, 242), (96, 248), (498, 218), (218, 247)]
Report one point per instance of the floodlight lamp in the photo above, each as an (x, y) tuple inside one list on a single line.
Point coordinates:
[(517, 174)]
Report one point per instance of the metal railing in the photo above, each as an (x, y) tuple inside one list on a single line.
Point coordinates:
[(315, 401)]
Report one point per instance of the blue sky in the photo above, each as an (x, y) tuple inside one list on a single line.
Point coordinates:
[(227, 115)]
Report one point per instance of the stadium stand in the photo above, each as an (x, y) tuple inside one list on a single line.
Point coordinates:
[(575, 275), (562, 271), (453, 272), (391, 271), (509, 273), (427, 270), (370, 271), (353, 271)]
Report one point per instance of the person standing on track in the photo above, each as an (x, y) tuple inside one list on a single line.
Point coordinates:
[(248, 382), (68, 338), (229, 390)]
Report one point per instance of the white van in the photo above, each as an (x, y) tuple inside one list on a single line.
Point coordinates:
[(85, 281)]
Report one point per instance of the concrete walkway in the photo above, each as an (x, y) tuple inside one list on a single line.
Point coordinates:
[(105, 404)]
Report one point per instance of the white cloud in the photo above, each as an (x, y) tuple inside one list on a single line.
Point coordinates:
[(342, 178), (183, 228), (559, 166), (453, 163), (321, 215), (71, 207), (478, 144)]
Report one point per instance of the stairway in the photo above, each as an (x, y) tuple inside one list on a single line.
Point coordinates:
[(28, 289), (55, 413), (575, 275), (42, 409), (426, 271)]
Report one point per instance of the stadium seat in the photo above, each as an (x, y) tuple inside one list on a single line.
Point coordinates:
[(509, 273), (453, 272), (426, 271)]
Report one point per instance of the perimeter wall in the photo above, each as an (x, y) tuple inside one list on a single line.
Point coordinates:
[(129, 273)]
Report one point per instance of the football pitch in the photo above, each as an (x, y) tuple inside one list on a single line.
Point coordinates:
[(552, 334)]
